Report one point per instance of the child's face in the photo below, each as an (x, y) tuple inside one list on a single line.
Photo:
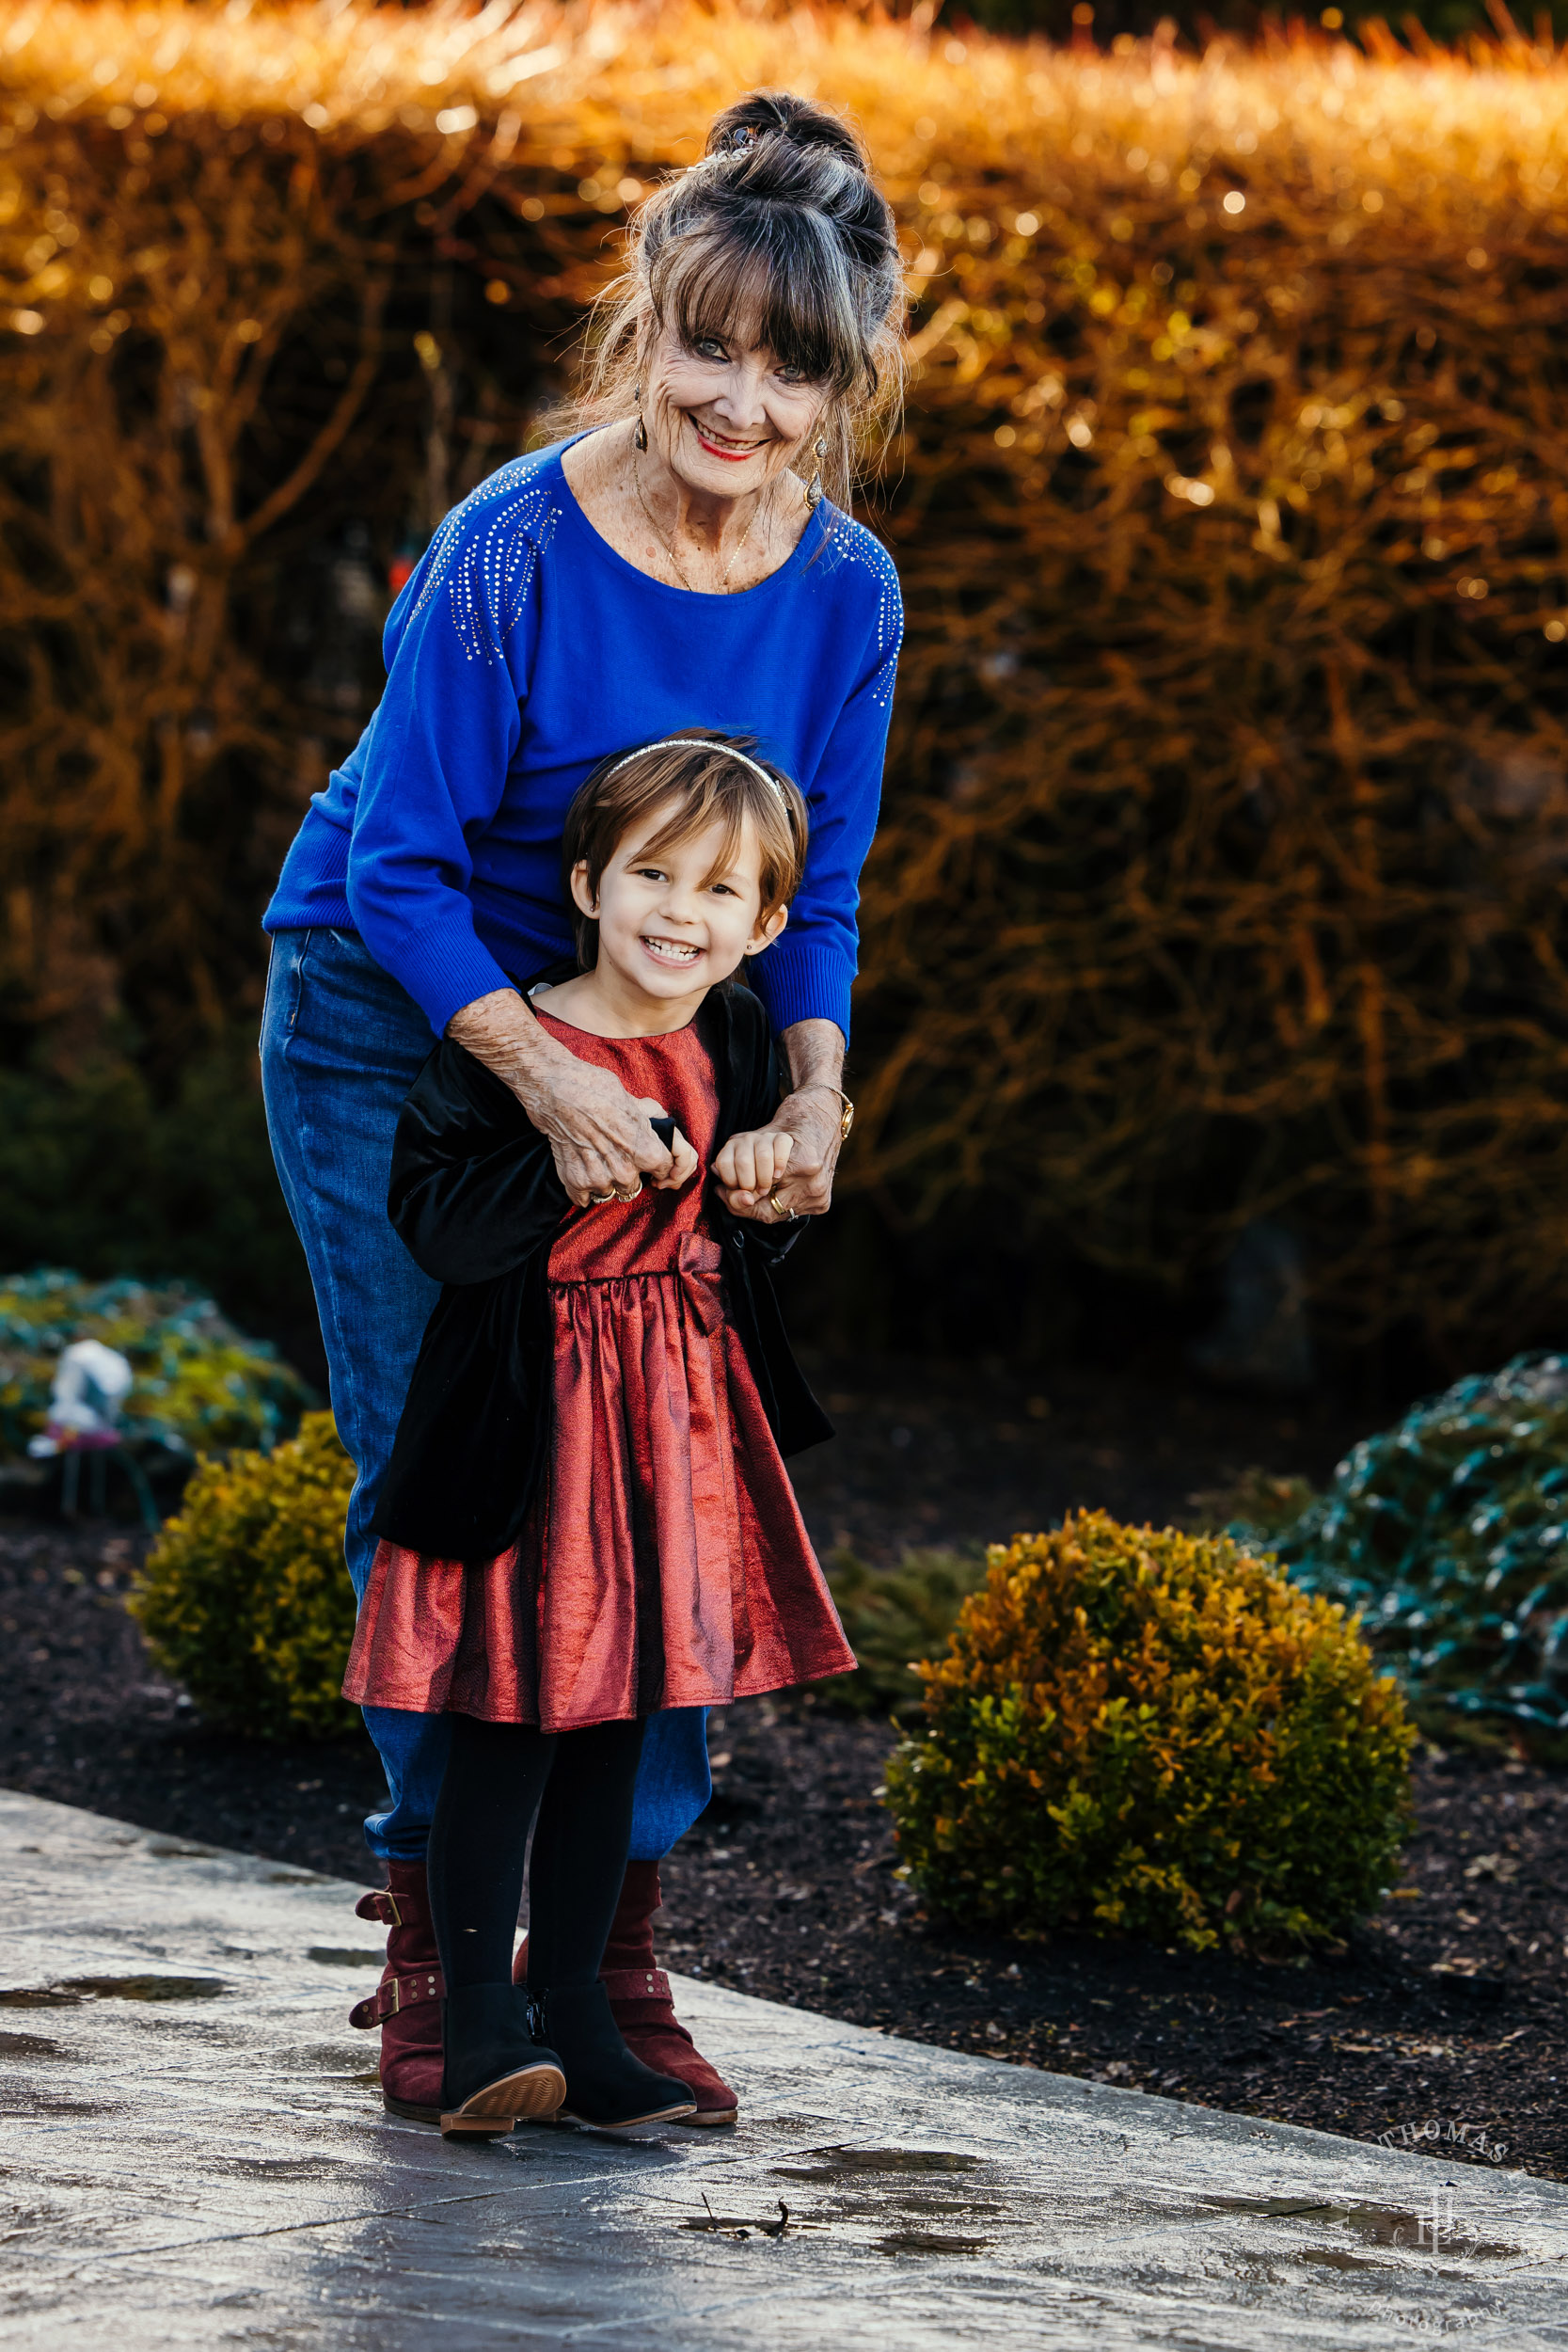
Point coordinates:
[(675, 925)]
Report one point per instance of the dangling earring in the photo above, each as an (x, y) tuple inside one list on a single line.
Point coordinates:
[(639, 439), (813, 488)]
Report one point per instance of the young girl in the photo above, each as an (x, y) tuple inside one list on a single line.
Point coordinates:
[(587, 1517)]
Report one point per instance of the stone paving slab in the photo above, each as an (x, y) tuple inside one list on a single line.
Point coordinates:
[(193, 2153)]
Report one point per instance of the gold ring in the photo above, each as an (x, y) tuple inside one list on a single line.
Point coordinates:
[(597, 1200), (776, 1204), (627, 1196)]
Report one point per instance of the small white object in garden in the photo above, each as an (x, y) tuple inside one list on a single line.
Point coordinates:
[(91, 1383)]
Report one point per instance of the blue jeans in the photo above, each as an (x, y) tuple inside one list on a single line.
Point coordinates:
[(340, 1045)]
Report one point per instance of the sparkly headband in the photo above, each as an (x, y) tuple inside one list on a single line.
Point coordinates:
[(698, 744)]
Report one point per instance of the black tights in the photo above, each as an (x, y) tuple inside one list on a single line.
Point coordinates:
[(499, 1776)]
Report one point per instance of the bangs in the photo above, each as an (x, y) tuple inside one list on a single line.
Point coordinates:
[(772, 277), (682, 788), (693, 815)]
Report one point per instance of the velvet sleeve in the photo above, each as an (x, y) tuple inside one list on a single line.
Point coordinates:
[(474, 1191)]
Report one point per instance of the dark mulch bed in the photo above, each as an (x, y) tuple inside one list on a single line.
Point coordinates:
[(1445, 2013)]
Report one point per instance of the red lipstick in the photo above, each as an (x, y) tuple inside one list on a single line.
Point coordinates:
[(731, 456)]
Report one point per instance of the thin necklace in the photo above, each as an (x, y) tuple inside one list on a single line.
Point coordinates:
[(676, 566)]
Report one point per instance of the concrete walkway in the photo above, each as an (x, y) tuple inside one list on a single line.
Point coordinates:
[(195, 2152)]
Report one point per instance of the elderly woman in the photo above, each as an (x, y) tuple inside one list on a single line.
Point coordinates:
[(677, 561)]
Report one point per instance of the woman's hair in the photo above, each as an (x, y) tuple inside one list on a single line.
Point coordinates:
[(779, 231), (702, 778)]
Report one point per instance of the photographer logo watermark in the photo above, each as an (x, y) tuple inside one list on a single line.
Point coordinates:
[(1436, 2133), (1434, 2227)]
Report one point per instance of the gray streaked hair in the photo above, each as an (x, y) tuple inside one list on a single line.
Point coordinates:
[(781, 231)]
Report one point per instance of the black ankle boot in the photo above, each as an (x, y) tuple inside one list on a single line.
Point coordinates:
[(605, 2084), (494, 2070)]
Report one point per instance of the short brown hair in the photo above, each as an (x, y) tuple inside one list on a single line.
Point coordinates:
[(712, 778)]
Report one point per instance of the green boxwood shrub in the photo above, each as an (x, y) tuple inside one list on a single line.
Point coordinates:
[(246, 1598), (1150, 1732)]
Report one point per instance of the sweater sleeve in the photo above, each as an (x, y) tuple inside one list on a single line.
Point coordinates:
[(458, 654), (808, 973)]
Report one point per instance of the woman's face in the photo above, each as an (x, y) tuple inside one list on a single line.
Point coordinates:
[(725, 414)]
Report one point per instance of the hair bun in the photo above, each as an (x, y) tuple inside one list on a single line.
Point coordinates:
[(780, 113)]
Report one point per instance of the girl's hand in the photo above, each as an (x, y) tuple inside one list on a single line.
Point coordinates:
[(751, 1166), (810, 1122), (683, 1159)]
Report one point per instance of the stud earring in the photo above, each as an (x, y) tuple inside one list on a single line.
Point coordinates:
[(639, 439), (813, 488)]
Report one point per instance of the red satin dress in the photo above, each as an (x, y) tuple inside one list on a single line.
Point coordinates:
[(666, 1562)]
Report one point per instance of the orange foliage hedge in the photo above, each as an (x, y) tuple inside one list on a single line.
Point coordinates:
[(1227, 812)]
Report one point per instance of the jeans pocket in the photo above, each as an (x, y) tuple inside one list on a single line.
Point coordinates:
[(285, 981)]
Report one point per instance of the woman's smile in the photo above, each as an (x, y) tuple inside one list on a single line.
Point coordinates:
[(730, 447)]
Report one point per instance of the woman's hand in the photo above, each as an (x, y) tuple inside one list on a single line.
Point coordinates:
[(599, 1133)]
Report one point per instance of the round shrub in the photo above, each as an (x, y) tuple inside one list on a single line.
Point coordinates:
[(1146, 1732), (245, 1600)]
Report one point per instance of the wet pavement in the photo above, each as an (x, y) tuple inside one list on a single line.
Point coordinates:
[(194, 2153)]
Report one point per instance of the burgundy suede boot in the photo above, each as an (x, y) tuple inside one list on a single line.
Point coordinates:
[(406, 2004), (640, 2002)]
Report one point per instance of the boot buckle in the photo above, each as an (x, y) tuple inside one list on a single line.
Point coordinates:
[(394, 1994)]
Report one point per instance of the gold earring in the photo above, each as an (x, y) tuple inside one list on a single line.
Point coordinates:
[(813, 488), (639, 439)]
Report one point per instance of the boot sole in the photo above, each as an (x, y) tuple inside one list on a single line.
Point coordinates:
[(627, 2122), (710, 2116), (532, 2091), (406, 2106)]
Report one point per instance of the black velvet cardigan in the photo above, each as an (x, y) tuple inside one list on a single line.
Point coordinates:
[(475, 1196)]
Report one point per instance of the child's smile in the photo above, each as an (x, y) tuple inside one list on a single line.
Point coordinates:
[(675, 951), (675, 919)]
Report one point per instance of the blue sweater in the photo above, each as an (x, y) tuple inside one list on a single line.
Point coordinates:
[(522, 650)]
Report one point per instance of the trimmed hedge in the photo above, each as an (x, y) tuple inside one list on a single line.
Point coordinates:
[(1220, 872), (889, 1616)]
